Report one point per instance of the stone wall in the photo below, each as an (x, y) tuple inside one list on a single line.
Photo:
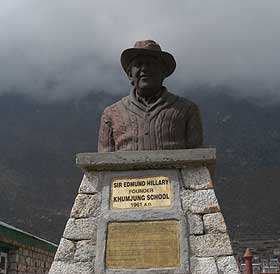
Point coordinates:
[(204, 242), (29, 260), (210, 246)]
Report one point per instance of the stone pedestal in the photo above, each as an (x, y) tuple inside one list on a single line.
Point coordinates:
[(146, 212)]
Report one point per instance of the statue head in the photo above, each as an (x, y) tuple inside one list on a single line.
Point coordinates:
[(146, 66)]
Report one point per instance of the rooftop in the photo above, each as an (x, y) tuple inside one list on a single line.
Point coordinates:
[(11, 235)]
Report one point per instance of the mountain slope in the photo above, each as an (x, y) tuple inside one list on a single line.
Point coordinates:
[(39, 179)]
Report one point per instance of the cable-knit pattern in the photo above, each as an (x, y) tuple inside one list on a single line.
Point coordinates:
[(171, 122)]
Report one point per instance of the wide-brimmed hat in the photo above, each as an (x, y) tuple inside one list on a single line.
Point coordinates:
[(148, 47)]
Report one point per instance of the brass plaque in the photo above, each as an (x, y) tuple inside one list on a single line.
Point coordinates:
[(151, 192), (132, 245)]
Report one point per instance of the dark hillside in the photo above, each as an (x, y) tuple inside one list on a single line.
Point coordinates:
[(39, 141)]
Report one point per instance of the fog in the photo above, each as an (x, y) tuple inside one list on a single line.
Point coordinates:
[(60, 49)]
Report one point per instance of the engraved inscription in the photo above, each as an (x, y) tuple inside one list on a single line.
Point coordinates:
[(149, 244), (134, 193)]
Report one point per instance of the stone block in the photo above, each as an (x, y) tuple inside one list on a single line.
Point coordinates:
[(85, 206), (214, 223), (85, 251), (195, 224), (203, 266), (197, 178), (13, 258), (200, 201), (80, 229), (131, 160), (65, 251), (89, 183), (211, 245), (227, 265), (186, 197), (71, 268), (21, 259), (13, 265)]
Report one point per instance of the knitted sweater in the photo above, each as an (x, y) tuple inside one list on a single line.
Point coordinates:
[(171, 122)]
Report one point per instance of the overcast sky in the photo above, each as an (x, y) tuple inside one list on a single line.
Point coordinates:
[(63, 48)]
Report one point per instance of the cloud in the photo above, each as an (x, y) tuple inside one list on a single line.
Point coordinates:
[(64, 48)]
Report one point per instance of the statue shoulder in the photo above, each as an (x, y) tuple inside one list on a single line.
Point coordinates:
[(115, 107), (182, 101), (187, 102)]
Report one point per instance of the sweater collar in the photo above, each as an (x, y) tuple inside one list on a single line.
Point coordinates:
[(132, 104), (151, 102)]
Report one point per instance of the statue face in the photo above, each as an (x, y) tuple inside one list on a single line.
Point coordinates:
[(146, 75)]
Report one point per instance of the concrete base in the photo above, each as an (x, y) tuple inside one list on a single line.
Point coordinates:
[(204, 242)]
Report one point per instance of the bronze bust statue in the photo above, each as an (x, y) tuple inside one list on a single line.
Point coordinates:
[(150, 118)]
